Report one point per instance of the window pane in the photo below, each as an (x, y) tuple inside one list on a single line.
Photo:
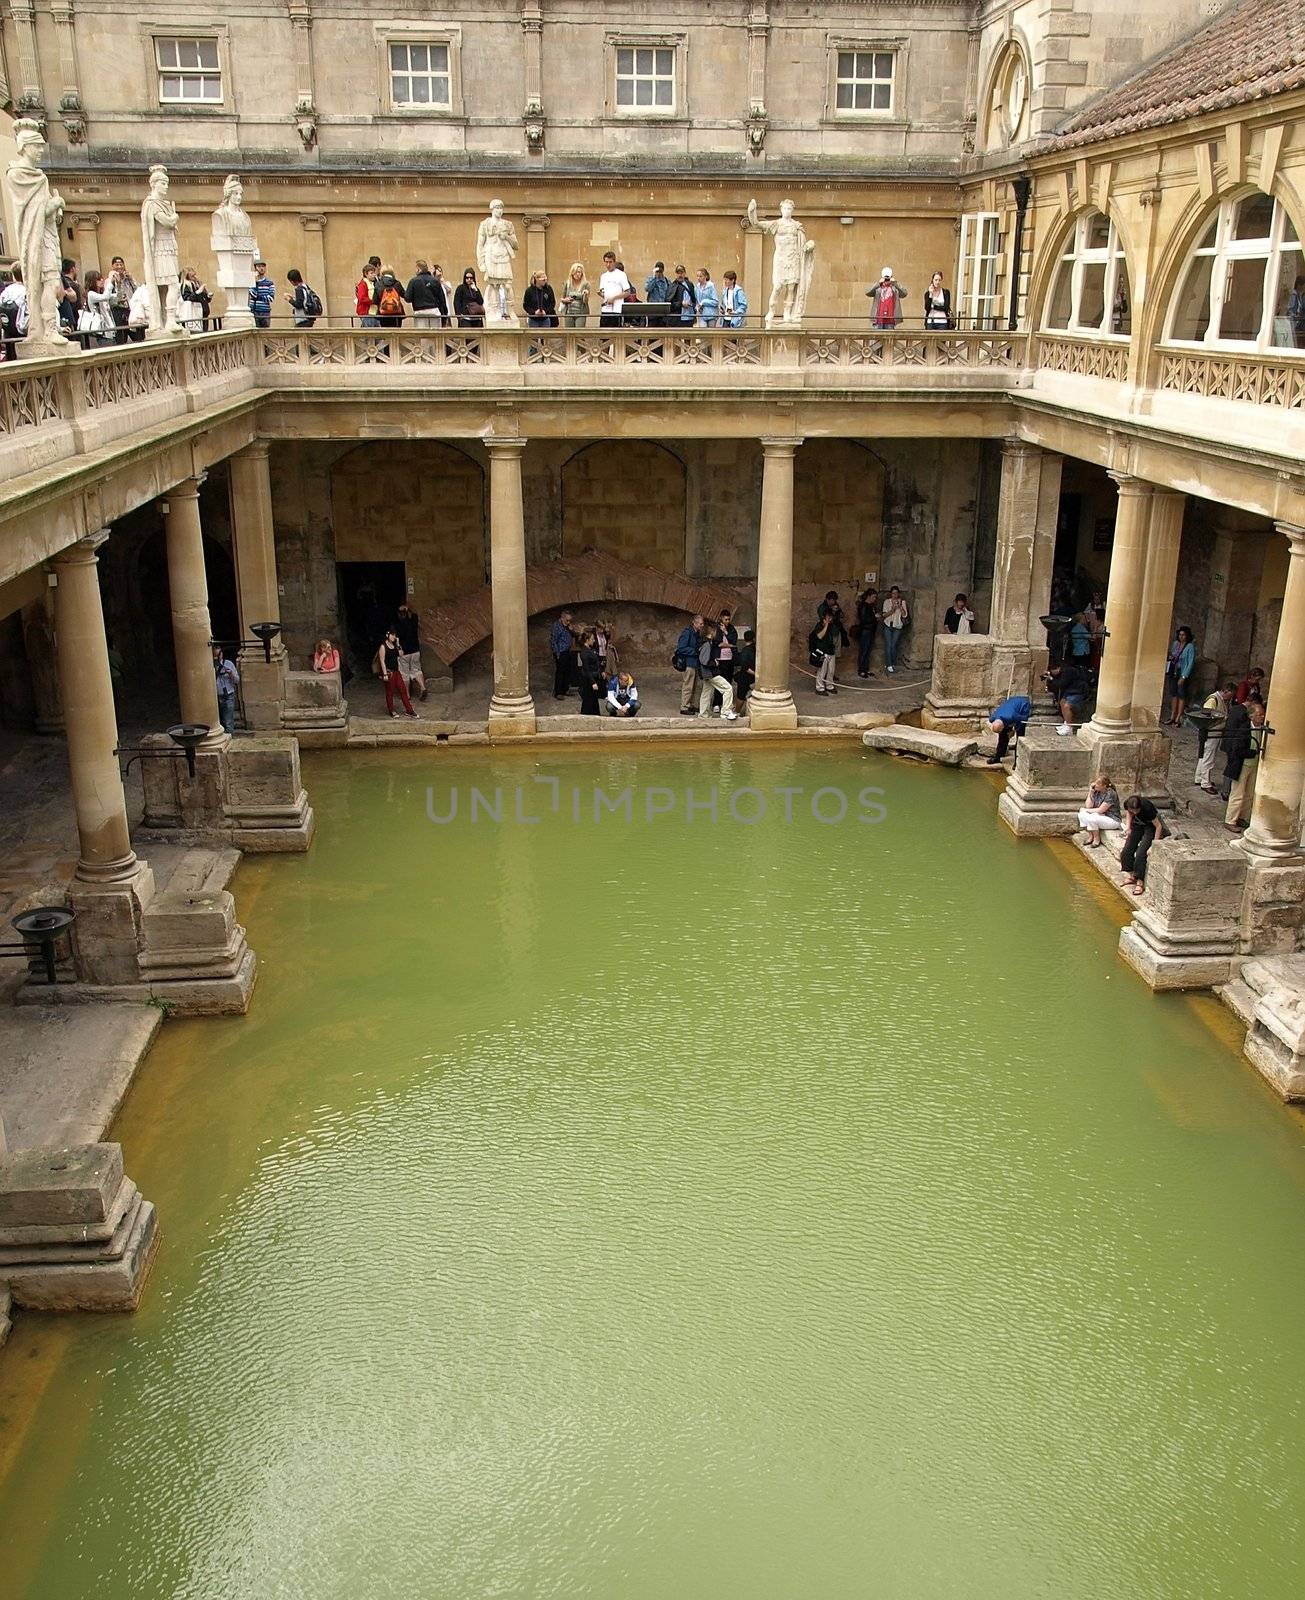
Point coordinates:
[(208, 56), (883, 65), (1254, 214), (625, 61), (863, 98), (1289, 234), (1243, 301), (846, 64), (1121, 312), (167, 52), (212, 88), (625, 92), (666, 62), (643, 88), (417, 58), (1058, 311), (396, 58), (439, 58), (171, 88), (401, 89), (1092, 295), (665, 92), (439, 91), (1208, 237), (844, 100), (643, 61), (187, 53), (1192, 315), (1287, 328), (1097, 232), (421, 91), (883, 96), (988, 236)]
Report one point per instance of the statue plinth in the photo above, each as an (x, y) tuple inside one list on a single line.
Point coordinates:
[(235, 276)]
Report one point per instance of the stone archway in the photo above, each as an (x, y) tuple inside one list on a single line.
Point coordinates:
[(626, 498)]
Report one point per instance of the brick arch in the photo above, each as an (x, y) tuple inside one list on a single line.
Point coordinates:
[(628, 497), (838, 511), (456, 626)]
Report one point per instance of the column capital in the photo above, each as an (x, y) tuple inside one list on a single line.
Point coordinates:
[(1130, 485), (1020, 448), (258, 450), (1294, 534), (187, 489), (312, 221), (86, 221), (778, 447), (83, 552), (537, 221), (504, 447)]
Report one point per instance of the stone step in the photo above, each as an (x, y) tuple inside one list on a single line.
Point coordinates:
[(186, 873)]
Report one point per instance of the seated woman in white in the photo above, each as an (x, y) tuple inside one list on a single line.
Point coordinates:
[(1100, 813)]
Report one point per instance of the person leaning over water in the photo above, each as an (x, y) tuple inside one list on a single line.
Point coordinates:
[(1144, 828), (1011, 716), (1100, 812)]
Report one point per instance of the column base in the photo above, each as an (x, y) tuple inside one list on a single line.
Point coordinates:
[(511, 717), (1186, 933), (772, 711), (248, 793), (1136, 759), (1050, 782)]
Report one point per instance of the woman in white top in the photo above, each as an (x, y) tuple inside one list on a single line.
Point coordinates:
[(95, 320), (138, 312), (894, 618), (937, 304)]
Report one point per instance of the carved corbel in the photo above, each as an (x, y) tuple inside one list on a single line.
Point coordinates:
[(758, 123)]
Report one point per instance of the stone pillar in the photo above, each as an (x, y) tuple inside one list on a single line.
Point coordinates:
[(254, 543), (105, 852), (87, 250), (537, 225), (1157, 610), (1123, 607), (770, 705), (314, 267), (1274, 833), (192, 632), (38, 641), (511, 710)]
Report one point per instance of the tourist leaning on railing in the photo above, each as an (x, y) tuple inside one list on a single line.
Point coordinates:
[(575, 297)]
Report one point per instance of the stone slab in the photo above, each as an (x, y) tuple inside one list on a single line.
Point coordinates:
[(52, 1188), (948, 749), (91, 1285)]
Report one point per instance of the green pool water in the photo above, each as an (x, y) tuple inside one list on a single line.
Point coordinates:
[(668, 1206)]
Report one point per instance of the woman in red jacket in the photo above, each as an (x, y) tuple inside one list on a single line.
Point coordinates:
[(364, 297)]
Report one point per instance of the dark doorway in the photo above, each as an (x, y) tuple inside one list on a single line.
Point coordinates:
[(1069, 519), (371, 592)]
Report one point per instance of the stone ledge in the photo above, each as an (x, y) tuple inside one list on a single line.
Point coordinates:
[(948, 749)]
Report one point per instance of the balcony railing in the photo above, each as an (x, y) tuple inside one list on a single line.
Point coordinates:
[(1263, 380)]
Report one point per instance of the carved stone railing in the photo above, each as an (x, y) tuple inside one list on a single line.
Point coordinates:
[(1265, 380), (1084, 358), (29, 396), (128, 373)]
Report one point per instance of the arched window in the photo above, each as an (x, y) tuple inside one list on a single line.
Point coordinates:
[(1090, 292), (1008, 101), (1244, 282)]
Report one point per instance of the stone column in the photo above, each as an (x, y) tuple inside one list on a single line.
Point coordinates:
[(105, 852), (1157, 609), (537, 225), (1123, 607), (1015, 606), (254, 543), (511, 710), (1274, 832), (192, 632), (314, 267), (770, 705), (87, 224)]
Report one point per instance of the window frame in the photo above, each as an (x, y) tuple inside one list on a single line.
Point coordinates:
[(898, 47), (1081, 255), (411, 73), (410, 33), (975, 224), (1223, 255), (873, 81), (162, 72), (150, 32), (674, 40)]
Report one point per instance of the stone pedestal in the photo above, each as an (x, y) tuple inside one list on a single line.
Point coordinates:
[(316, 712), (1050, 782), (1273, 909), (1270, 997), (972, 673), (248, 793), (106, 934), (1137, 762), (1186, 933), (75, 1233)]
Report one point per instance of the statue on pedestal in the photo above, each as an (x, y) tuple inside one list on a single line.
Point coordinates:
[(232, 242), (38, 216), (790, 276), (158, 231), (496, 248)]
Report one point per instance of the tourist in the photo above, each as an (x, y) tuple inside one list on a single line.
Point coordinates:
[(195, 301), (683, 301), (602, 642), (95, 319), (121, 286), (539, 302), (685, 660), (1208, 733), (561, 643), (468, 302), (745, 671), (886, 300), (262, 296), (1296, 310), (13, 312), (707, 300), (69, 296), (622, 696), (1079, 644), (827, 638), (727, 644), (1178, 673), (448, 290), (1144, 828), (1070, 687), (1100, 812), (425, 294), (827, 604), (1243, 742), (865, 627), (958, 618), (614, 288), (1010, 717), (575, 297), (408, 628), (733, 302), (937, 304), (138, 313), (305, 307), (712, 682), (388, 658), (228, 687), (389, 300), (1251, 687), (657, 286), (591, 673), (895, 616), (364, 297), (326, 658)]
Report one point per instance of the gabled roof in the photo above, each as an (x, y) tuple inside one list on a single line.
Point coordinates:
[(1254, 50)]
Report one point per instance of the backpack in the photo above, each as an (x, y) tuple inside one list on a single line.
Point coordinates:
[(312, 302), (391, 304)]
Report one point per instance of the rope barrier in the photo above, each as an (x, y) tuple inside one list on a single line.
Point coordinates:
[(856, 688)]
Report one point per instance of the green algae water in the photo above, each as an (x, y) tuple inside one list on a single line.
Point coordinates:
[(656, 1202)]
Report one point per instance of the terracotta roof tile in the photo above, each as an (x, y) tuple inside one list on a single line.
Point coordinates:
[(1254, 50)]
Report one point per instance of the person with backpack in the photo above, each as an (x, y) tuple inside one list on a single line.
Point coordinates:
[(827, 639), (712, 680), (425, 294), (685, 660), (389, 303), (305, 306), (262, 297)]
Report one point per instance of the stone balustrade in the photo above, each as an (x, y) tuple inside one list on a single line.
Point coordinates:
[(1265, 380)]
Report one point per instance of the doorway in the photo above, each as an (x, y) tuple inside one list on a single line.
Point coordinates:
[(370, 593)]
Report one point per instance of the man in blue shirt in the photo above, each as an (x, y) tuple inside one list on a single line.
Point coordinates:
[(686, 652), (1011, 716), (733, 302), (262, 296), (657, 288), (561, 642)]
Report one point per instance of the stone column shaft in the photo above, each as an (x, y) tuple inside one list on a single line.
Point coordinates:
[(1017, 515), (254, 543), (192, 631), (511, 710), (771, 703), (1123, 606), (1158, 585), (106, 855), (1274, 832)]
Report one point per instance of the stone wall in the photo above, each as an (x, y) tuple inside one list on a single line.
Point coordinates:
[(628, 498)]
